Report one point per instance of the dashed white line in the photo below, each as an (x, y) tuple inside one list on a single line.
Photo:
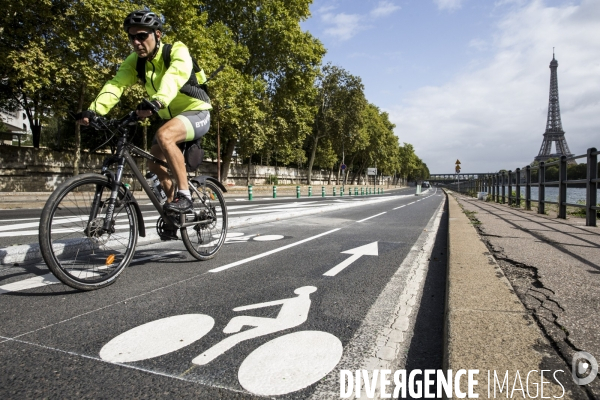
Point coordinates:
[(373, 216), (50, 279), (256, 257)]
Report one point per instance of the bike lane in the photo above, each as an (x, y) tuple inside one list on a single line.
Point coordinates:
[(162, 326)]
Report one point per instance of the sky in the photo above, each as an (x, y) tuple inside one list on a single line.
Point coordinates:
[(469, 80)]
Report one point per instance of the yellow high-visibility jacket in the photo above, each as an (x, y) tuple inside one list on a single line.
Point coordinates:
[(162, 84)]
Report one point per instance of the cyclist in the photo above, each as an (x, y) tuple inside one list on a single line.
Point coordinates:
[(187, 118)]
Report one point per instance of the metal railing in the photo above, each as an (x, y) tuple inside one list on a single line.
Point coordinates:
[(498, 184)]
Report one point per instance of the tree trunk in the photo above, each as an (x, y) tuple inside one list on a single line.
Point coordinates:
[(329, 179), (225, 162), (248, 172), (77, 160), (311, 160), (351, 165), (36, 132)]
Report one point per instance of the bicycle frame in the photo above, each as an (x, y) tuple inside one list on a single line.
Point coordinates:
[(122, 158)]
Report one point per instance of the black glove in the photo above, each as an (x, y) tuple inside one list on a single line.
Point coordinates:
[(153, 105), (89, 114)]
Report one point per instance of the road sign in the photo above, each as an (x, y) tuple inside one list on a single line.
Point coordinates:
[(343, 167), (371, 171), (457, 168), (457, 162)]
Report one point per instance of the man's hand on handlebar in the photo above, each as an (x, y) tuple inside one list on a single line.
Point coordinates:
[(146, 108), (83, 118)]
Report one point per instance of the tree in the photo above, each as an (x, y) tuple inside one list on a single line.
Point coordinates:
[(283, 62), (409, 162), (52, 50), (340, 102)]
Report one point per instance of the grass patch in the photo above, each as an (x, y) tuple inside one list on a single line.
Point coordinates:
[(471, 216)]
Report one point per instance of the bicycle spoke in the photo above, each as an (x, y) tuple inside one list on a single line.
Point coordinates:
[(206, 238), (78, 249)]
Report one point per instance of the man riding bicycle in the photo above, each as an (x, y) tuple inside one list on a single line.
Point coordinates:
[(187, 118)]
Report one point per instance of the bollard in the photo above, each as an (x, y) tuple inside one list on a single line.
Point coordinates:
[(350, 192), (381, 190), (356, 191), (322, 191), (274, 191), (250, 192), (342, 191), (362, 191), (377, 190), (334, 191), (310, 191), (127, 186), (297, 192)]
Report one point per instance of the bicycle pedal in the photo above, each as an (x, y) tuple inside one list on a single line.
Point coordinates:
[(166, 238)]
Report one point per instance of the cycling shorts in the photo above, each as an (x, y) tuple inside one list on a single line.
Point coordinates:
[(196, 124)]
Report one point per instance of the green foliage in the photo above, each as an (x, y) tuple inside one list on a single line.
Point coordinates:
[(274, 99), (272, 180)]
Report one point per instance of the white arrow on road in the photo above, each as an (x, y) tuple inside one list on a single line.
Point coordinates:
[(366, 250)]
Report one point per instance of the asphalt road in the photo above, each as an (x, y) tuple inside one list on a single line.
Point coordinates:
[(298, 298), (20, 226)]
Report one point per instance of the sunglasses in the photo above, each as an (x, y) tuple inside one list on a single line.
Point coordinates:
[(141, 36)]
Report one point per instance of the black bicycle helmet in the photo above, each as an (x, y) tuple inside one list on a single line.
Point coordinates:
[(144, 18)]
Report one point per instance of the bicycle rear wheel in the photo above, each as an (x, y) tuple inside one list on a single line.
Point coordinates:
[(204, 239), (73, 244)]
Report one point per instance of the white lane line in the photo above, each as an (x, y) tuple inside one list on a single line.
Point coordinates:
[(398, 207), (373, 216), (279, 210), (50, 279), (36, 281), (256, 257), (20, 219)]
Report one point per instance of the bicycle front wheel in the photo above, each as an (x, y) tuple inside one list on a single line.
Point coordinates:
[(73, 242), (204, 239)]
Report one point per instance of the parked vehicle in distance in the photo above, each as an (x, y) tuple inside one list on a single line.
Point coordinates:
[(425, 184)]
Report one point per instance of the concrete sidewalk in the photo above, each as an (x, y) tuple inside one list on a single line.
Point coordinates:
[(522, 296)]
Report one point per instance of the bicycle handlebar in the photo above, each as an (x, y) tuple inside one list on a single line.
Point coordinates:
[(100, 123)]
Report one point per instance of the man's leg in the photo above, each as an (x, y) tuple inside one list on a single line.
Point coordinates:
[(161, 172), (167, 137)]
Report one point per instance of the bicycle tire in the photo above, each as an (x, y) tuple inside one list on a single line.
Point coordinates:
[(204, 240), (76, 253)]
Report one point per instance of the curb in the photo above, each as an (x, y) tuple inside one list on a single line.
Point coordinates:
[(31, 254), (486, 326)]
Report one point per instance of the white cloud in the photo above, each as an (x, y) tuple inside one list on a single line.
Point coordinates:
[(325, 9), (493, 116), (450, 5), (383, 9), (478, 44), (344, 25)]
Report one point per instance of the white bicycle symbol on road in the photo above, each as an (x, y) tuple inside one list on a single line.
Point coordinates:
[(282, 365)]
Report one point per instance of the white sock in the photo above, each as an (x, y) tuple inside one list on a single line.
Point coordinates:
[(185, 193)]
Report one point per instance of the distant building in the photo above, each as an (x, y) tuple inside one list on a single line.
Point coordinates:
[(17, 124)]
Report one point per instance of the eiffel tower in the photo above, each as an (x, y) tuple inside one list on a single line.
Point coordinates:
[(554, 131)]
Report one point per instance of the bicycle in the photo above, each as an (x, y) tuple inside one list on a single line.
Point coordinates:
[(90, 224), (282, 365)]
